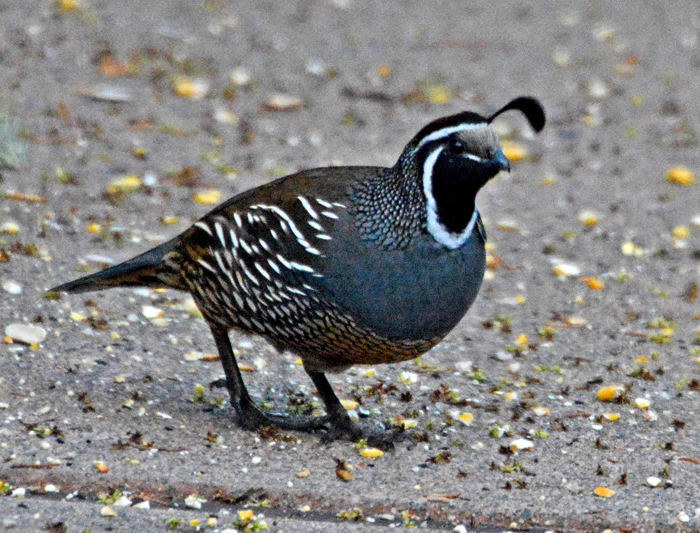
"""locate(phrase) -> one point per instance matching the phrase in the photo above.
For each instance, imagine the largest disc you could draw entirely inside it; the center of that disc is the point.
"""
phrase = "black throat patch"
(454, 187)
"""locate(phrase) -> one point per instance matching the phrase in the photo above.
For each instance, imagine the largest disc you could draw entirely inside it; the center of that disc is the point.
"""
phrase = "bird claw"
(250, 417)
(385, 440)
(218, 384)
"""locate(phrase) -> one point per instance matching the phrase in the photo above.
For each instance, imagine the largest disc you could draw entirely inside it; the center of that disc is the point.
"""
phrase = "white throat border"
(439, 232)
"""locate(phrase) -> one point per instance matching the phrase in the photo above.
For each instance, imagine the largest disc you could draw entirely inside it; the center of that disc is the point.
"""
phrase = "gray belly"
(419, 293)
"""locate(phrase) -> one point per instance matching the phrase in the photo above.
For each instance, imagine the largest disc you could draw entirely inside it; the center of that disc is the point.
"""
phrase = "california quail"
(343, 265)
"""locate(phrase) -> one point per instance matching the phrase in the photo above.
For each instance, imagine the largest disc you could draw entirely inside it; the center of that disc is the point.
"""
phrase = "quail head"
(342, 265)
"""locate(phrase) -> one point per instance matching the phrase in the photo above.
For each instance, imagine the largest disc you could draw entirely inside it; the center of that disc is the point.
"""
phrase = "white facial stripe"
(439, 232)
(444, 132)
(474, 158)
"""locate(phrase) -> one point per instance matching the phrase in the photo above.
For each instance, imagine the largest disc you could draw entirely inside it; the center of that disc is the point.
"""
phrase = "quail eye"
(458, 146)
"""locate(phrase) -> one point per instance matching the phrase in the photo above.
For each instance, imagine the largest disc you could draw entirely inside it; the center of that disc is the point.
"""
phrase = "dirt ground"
(128, 119)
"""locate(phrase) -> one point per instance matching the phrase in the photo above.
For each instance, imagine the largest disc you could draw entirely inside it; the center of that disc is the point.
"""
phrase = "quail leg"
(342, 428)
(248, 415)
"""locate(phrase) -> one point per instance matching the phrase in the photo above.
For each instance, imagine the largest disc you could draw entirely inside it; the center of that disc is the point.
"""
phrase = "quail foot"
(342, 265)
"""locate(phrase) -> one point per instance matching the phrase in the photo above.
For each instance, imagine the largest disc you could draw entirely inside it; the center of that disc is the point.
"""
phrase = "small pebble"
(12, 287)
(653, 481)
(26, 333)
(108, 511)
(521, 444)
(194, 502)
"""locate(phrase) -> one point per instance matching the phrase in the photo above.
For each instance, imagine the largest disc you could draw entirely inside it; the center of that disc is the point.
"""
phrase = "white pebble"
(194, 502)
(26, 333)
(464, 366)
(12, 287)
(653, 481)
(521, 444)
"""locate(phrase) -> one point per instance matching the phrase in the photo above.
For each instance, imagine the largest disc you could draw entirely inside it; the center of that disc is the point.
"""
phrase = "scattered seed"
(151, 312)
(127, 183)
(245, 515)
(94, 227)
(610, 393)
(371, 453)
(521, 444)
(195, 502)
(588, 218)
(513, 151)
(239, 76)
(101, 467)
(630, 249)
(408, 423)
(680, 176)
(190, 88)
(561, 57)
(122, 501)
(680, 232)
(77, 317)
(107, 94)
(349, 405)
(224, 116)
(642, 403)
(508, 225)
(343, 475)
(466, 418)
(108, 511)
(9, 228)
(23, 197)
(283, 102)
(210, 197)
(565, 270)
(603, 492)
(594, 283)
(408, 378)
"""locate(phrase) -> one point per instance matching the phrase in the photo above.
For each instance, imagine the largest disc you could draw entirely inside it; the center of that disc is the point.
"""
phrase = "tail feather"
(145, 270)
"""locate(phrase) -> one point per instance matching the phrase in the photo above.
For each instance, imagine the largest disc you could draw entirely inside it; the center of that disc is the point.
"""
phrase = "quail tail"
(146, 270)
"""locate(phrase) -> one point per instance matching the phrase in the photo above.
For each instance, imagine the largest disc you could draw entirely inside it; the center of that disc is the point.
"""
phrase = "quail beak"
(501, 160)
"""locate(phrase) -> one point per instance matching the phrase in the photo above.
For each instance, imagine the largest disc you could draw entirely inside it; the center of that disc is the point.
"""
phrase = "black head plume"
(528, 106)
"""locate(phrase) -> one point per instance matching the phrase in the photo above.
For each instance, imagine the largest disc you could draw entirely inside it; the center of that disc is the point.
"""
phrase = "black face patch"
(455, 180)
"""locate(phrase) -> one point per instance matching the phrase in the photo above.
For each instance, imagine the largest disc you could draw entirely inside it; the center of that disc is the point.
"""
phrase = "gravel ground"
(135, 115)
